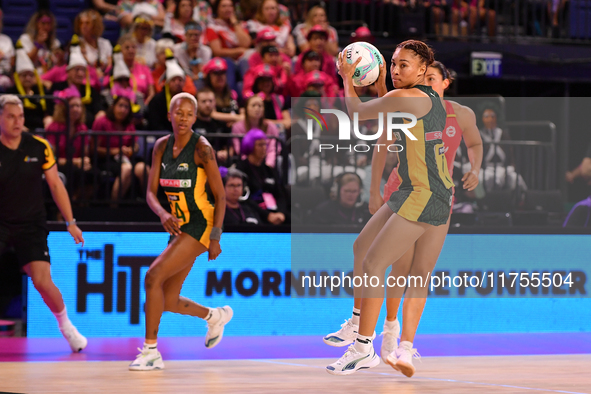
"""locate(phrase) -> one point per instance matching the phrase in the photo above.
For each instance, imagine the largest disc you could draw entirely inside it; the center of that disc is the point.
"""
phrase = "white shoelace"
(415, 354)
(143, 352)
(350, 350)
(347, 322)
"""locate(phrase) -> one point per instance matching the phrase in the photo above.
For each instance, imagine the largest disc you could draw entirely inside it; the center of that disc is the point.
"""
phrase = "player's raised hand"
(170, 223)
(470, 180)
(346, 70)
(76, 233)
(383, 70)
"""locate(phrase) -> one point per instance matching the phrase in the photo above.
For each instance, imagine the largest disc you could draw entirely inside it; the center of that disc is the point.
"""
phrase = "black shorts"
(29, 241)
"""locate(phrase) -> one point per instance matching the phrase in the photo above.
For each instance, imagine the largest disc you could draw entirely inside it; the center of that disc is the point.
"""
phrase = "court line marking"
(434, 379)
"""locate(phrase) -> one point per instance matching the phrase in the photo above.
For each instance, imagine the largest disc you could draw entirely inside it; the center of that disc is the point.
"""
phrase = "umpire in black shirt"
(24, 159)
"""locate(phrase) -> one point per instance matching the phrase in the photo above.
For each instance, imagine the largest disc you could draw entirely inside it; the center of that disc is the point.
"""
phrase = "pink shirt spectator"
(300, 33)
(298, 85)
(328, 65)
(280, 79)
(104, 124)
(142, 75)
(60, 74)
(239, 128)
(255, 59)
(283, 32)
(60, 148)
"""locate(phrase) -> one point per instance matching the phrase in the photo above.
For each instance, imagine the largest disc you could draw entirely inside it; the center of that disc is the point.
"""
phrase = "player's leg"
(30, 244)
(180, 254)
(348, 332)
(40, 274)
(391, 332)
(216, 318)
(173, 302)
(427, 252)
(391, 243)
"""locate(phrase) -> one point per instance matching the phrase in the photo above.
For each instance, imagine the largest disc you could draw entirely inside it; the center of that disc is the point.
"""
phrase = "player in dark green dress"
(416, 212)
(183, 163)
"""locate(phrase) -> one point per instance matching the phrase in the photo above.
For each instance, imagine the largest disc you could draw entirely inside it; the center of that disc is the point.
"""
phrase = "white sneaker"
(215, 331)
(352, 361)
(389, 340)
(401, 359)
(147, 360)
(345, 336)
(76, 340)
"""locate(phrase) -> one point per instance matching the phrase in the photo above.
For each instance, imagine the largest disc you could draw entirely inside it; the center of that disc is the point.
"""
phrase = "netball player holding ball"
(418, 212)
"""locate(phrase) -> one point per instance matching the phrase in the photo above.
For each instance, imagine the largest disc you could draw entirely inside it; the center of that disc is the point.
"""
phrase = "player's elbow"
(55, 184)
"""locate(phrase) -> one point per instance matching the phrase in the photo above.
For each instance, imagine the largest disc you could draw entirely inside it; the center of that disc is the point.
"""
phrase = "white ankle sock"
(355, 316)
(214, 315)
(406, 345)
(62, 318)
(390, 325)
(363, 344)
(150, 346)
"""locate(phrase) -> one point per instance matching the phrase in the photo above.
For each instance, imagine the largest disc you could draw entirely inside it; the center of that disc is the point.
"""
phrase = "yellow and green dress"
(184, 183)
(425, 192)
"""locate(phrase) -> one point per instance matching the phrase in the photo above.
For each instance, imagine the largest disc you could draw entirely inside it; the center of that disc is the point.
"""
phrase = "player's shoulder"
(202, 142)
(405, 93)
(34, 141)
(461, 110)
(161, 142)
(204, 151)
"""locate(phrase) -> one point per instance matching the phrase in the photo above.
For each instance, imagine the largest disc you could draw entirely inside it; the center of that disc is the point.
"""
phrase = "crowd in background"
(243, 61)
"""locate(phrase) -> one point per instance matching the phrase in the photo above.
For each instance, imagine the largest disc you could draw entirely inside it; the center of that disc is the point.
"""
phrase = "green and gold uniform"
(184, 183)
(425, 192)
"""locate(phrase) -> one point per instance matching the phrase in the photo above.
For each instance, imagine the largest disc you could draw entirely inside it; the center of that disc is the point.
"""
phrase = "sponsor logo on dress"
(450, 131)
(183, 167)
(31, 159)
(398, 136)
(442, 150)
(434, 135)
(180, 183)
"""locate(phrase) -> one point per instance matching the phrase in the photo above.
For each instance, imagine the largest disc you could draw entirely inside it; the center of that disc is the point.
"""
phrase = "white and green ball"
(368, 69)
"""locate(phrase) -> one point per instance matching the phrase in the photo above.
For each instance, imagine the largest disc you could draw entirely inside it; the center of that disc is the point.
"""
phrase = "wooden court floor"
(498, 374)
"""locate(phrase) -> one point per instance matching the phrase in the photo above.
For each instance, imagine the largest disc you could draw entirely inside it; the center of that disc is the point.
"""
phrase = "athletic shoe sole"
(337, 344)
(391, 361)
(344, 342)
(407, 369)
(229, 312)
(148, 367)
(145, 369)
(373, 363)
